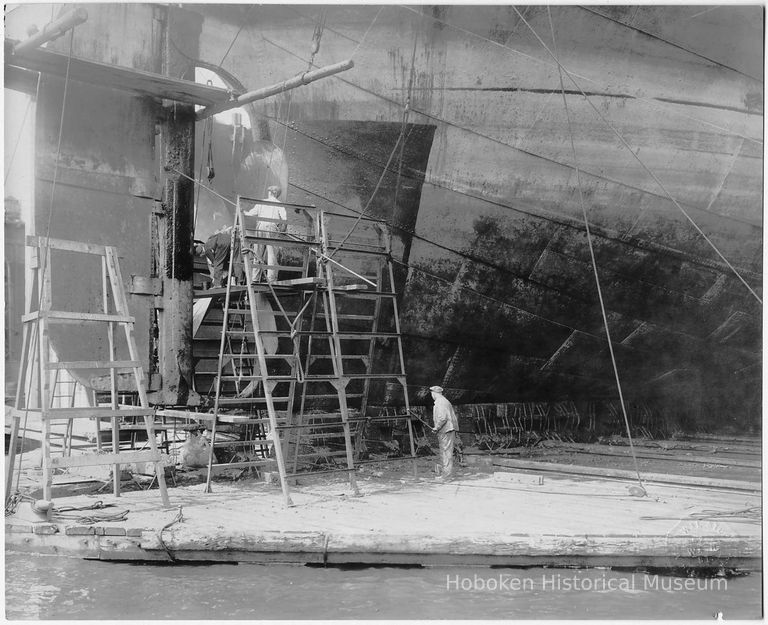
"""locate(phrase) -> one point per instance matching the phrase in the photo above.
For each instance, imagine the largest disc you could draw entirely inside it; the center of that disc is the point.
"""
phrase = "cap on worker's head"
(274, 190)
(436, 389)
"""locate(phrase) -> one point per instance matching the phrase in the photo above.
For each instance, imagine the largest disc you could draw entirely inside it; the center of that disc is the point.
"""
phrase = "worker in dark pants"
(217, 252)
(445, 425)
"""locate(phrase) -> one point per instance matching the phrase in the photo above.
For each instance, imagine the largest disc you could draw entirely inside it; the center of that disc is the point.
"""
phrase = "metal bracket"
(142, 285)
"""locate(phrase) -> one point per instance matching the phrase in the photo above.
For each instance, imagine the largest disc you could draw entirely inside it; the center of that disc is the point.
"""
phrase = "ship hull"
(656, 126)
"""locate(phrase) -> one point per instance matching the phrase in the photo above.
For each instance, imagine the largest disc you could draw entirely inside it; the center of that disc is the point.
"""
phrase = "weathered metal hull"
(499, 300)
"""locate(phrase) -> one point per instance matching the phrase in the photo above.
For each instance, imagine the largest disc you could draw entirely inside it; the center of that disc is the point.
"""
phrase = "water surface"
(51, 587)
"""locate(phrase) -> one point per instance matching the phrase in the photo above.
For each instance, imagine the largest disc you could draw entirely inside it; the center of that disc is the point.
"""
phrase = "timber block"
(518, 478)
(19, 529)
(114, 531)
(46, 529)
(79, 530)
(134, 532)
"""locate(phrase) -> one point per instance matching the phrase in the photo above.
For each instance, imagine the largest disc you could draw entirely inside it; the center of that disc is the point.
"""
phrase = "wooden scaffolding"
(306, 339)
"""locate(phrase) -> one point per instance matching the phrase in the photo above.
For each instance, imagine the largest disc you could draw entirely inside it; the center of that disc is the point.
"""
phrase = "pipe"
(52, 30)
(265, 92)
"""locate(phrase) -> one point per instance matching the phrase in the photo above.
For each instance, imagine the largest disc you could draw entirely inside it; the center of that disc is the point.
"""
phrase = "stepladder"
(359, 311)
(101, 337)
(257, 365)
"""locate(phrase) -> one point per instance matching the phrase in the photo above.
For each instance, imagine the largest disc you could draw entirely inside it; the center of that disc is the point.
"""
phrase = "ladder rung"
(343, 335)
(74, 413)
(65, 315)
(331, 395)
(311, 473)
(247, 311)
(398, 417)
(344, 357)
(262, 442)
(357, 376)
(94, 364)
(329, 454)
(243, 465)
(283, 242)
(362, 293)
(271, 378)
(299, 281)
(247, 356)
(303, 426)
(324, 415)
(232, 401)
(70, 246)
(322, 313)
(375, 251)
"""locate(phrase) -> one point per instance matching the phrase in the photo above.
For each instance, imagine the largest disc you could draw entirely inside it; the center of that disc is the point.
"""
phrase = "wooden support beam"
(68, 246)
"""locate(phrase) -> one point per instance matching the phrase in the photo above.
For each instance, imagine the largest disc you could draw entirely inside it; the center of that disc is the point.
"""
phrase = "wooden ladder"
(256, 315)
(365, 351)
(37, 351)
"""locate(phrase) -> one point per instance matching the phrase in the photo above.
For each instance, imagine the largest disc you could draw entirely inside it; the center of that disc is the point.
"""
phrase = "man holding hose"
(445, 425)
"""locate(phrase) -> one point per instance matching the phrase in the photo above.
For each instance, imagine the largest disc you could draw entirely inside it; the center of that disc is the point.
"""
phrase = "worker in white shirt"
(274, 223)
(446, 425)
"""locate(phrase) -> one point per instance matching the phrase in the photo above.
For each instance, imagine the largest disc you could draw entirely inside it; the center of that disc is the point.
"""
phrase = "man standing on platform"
(445, 425)
(273, 223)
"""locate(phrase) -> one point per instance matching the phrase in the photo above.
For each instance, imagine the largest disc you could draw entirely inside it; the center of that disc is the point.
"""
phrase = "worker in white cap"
(445, 425)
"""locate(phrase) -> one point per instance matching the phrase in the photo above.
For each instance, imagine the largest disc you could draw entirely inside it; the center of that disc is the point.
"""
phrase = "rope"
(360, 43)
(592, 254)
(642, 164)
(179, 518)
(237, 34)
(13, 502)
(317, 35)
(60, 514)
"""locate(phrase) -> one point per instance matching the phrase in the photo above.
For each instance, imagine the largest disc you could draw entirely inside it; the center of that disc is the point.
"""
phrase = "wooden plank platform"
(478, 519)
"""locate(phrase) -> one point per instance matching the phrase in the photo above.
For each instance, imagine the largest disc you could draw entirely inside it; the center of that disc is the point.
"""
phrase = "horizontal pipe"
(52, 30)
(265, 92)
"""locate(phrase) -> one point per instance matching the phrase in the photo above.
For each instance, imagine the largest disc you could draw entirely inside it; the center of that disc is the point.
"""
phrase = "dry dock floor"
(480, 518)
